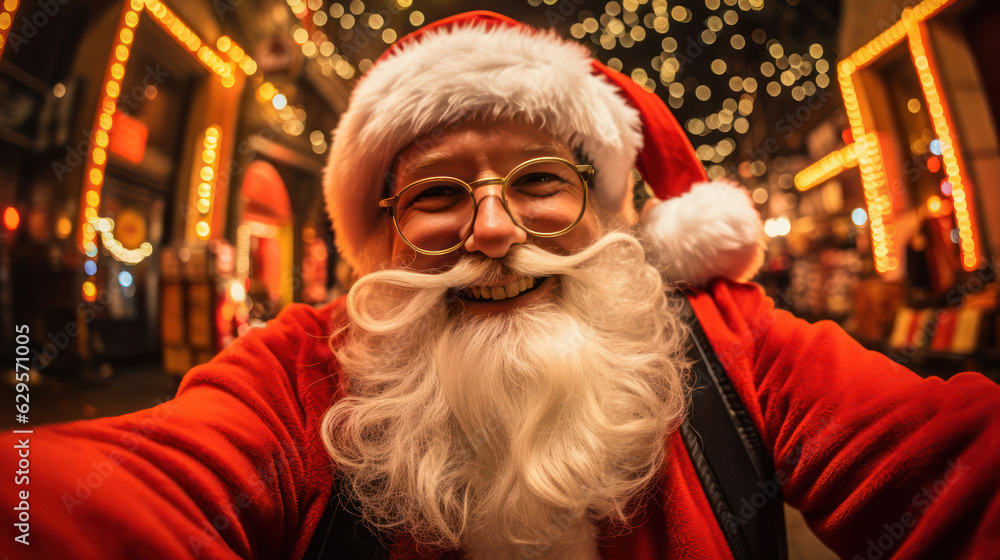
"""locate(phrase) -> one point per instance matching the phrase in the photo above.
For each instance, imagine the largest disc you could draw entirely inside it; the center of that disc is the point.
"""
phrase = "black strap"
(735, 469)
(342, 534)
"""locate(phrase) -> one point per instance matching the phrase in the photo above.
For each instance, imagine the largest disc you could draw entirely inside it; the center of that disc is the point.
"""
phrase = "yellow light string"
(94, 172)
(873, 179)
(880, 214)
(207, 178)
(897, 31)
(97, 157)
(827, 168)
(106, 227)
(8, 9)
(961, 192)
(236, 53)
(187, 38)
(868, 150)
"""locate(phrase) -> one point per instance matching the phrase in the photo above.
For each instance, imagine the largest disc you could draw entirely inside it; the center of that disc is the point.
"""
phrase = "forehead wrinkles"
(506, 159)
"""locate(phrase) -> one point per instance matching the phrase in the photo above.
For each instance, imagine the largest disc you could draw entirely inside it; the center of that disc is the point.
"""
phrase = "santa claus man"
(508, 377)
(514, 370)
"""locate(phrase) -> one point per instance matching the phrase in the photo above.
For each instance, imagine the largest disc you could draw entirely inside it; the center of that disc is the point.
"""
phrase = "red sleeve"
(232, 467)
(882, 463)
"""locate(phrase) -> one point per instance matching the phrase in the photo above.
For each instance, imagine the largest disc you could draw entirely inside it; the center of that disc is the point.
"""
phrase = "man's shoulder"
(309, 334)
(291, 354)
(728, 303)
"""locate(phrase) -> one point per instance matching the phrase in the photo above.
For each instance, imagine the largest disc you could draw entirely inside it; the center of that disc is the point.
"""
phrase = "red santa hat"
(485, 64)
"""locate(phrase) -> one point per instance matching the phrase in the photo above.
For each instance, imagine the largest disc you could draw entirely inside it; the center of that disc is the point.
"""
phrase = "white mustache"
(418, 293)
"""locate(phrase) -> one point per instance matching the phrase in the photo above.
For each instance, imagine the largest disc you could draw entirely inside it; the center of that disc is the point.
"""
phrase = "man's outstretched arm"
(229, 468)
(882, 463)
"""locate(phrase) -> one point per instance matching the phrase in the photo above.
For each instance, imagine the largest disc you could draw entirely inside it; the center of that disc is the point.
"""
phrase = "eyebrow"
(553, 148)
(429, 160)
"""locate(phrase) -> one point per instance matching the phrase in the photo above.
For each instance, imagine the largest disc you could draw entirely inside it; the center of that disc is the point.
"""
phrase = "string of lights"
(104, 121)
(880, 211)
(236, 54)
(106, 228)
(172, 24)
(349, 18)
(7, 12)
(97, 158)
(940, 118)
(828, 167)
(628, 23)
(910, 27)
(208, 172)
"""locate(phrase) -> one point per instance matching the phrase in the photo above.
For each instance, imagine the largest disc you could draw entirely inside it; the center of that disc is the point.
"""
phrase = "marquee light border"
(8, 9)
(94, 174)
(867, 149)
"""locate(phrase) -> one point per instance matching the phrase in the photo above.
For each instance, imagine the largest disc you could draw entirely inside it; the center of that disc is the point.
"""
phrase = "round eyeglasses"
(545, 196)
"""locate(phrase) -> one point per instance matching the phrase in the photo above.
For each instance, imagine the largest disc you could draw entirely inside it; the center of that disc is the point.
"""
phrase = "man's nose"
(494, 232)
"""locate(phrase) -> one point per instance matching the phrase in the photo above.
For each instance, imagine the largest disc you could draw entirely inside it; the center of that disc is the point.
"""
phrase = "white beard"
(509, 434)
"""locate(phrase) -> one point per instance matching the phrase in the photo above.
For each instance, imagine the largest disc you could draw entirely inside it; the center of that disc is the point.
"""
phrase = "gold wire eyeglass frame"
(584, 172)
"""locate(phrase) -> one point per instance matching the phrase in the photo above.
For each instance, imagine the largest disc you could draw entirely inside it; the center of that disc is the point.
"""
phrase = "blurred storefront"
(890, 228)
(160, 161)
(163, 161)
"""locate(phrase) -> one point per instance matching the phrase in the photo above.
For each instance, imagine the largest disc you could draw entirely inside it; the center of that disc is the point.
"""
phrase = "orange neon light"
(207, 176)
(827, 168)
(127, 139)
(868, 149)
(11, 218)
(105, 118)
(961, 191)
(103, 122)
(8, 9)
(237, 55)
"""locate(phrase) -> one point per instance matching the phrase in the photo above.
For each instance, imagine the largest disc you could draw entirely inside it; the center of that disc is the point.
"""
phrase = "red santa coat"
(882, 463)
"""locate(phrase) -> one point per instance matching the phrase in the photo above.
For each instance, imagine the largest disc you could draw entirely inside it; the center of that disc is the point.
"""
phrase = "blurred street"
(66, 399)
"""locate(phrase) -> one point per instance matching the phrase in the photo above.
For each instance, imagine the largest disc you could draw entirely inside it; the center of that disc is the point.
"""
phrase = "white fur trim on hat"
(711, 231)
(501, 72)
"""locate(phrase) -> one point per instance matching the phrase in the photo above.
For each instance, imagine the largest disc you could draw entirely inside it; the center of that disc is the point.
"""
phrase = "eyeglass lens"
(543, 197)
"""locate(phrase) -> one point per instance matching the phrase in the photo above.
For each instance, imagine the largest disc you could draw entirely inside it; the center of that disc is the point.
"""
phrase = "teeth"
(510, 290)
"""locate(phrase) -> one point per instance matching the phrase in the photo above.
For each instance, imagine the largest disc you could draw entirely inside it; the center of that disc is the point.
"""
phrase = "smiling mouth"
(516, 288)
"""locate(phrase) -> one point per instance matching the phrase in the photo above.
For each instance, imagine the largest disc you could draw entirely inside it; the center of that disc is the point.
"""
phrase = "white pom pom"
(709, 232)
